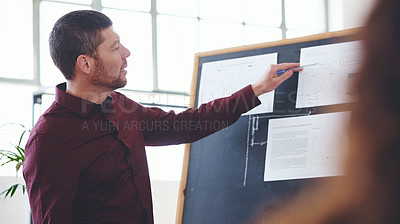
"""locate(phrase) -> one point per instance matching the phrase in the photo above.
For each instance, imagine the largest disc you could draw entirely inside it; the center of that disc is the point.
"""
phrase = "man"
(85, 158)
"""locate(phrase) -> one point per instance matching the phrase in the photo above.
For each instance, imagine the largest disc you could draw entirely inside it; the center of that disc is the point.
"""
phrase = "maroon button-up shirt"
(86, 163)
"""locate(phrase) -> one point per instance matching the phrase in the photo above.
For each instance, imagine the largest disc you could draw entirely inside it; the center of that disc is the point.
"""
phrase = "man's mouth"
(123, 67)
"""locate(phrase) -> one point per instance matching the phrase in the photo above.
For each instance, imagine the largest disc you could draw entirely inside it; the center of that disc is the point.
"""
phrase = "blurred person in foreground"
(369, 193)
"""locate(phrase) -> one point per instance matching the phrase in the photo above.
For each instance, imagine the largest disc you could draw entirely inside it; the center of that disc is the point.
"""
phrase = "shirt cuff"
(245, 99)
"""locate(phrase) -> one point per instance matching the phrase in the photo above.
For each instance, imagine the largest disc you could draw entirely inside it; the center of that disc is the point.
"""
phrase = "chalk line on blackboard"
(247, 153)
(252, 128)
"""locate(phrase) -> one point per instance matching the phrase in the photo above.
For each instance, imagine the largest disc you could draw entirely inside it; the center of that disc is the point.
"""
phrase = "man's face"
(110, 68)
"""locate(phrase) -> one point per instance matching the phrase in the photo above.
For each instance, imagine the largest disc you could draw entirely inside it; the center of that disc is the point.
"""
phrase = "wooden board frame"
(193, 90)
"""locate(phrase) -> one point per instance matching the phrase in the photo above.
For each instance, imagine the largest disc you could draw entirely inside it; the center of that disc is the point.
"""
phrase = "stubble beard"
(103, 79)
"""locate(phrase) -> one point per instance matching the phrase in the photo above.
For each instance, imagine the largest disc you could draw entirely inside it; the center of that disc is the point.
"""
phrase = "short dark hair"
(74, 34)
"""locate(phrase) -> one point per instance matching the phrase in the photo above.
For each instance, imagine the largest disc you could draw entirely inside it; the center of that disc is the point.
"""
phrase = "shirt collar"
(80, 106)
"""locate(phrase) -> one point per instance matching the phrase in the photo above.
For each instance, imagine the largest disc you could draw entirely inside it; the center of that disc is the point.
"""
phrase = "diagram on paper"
(328, 82)
(223, 78)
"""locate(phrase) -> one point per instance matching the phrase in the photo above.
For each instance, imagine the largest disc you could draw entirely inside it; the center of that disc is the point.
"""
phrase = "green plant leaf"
(21, 152)
(13, 156)
(11, 190)
(8, 191)
(13, 124)
(3, 192)
(20, 138)
(17, 148)
(5, 163)
(18, 157)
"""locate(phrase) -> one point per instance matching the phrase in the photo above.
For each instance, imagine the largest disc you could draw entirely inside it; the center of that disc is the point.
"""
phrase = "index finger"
(285, 66)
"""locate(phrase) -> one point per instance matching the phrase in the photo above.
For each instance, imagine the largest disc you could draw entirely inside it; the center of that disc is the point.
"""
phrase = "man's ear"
(85, 63)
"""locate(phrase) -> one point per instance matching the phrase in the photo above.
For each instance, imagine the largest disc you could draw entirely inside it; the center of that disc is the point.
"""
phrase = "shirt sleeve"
(51, 179)
(164, 128)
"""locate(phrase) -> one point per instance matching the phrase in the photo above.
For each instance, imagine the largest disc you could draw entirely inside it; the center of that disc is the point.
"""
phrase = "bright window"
(178, 7)
(261, 12)
(307, 16)
(216, 35)
(16, 56)
(134, 29)
(225, 10)
(162, 35)
(177, 42)
(136, 5)
(50, 12)
(258, 34)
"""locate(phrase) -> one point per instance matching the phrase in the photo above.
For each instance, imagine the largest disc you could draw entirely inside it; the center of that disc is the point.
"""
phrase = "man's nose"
(125, 52)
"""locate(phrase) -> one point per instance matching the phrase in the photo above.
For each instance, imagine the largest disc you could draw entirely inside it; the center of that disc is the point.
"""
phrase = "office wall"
(16, 209)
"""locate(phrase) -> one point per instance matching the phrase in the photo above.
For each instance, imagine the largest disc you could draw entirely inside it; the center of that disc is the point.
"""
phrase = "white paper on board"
(328, 82)
(306, 146)
(223, 78)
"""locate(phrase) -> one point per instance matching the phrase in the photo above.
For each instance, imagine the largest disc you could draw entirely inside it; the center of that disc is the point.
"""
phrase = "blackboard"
(222, 177)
